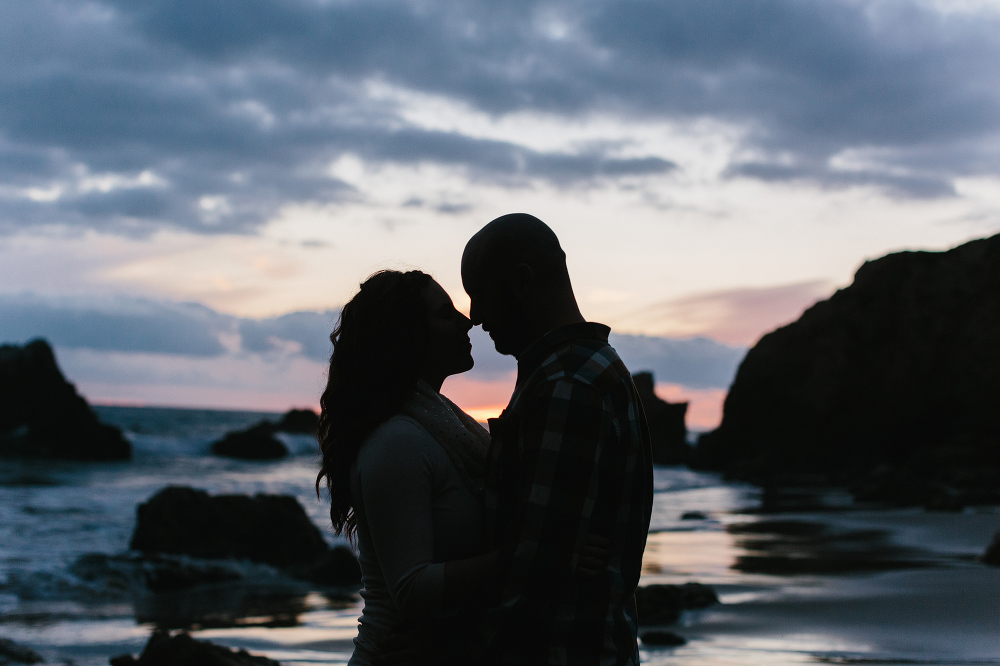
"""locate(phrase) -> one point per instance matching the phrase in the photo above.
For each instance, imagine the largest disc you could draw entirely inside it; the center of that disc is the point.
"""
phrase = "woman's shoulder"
(399, 436)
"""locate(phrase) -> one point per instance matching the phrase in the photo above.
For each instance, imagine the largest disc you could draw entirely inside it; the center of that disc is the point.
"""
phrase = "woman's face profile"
(449, 350)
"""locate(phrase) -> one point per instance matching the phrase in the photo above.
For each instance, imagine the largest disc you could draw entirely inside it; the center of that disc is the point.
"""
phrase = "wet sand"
(801, 582)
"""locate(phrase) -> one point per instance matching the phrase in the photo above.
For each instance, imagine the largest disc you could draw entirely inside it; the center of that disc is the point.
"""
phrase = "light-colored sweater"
(414, 513)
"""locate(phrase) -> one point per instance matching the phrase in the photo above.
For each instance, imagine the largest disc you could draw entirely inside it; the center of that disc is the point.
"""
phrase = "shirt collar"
(539, 350)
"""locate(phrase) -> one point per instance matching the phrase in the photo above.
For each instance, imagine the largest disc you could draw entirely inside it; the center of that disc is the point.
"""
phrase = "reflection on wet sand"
(811, 547)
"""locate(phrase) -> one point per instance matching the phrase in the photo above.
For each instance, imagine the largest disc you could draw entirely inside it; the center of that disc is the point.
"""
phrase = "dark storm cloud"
(239, 107)
(122, 325)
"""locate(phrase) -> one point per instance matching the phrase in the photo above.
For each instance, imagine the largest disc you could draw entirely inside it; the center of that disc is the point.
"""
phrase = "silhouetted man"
(570, 456)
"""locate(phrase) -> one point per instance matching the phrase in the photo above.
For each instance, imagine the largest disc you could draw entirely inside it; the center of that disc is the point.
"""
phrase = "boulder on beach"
(271, 529)
(667, 430)
(663, 604)
(991, 555)
(900, 371)
(41, 414)
(298, 421)
(166, 650)
(14, 653)
(660, 638)
(255, 443)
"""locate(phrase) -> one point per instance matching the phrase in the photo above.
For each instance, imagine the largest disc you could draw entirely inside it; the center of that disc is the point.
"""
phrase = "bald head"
(515, 239)
(514, 270)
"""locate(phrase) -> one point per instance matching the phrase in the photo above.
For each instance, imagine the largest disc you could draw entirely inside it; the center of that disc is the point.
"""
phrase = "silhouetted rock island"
(300, 421)
(41, 414)
(255, 443)
(891, 386)
(271, 529)
(667, 431)
(258, 441)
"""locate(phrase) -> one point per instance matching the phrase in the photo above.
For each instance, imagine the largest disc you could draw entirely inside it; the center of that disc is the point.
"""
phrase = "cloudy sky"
(190, 188)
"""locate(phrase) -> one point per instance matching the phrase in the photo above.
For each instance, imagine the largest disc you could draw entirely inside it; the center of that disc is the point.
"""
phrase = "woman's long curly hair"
(377, 346)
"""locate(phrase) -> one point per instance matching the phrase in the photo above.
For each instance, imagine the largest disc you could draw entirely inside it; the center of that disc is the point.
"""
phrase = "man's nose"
(474, 317)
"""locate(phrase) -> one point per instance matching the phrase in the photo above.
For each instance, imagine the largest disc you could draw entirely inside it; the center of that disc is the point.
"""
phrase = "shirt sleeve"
(562, 431)
(397, 483)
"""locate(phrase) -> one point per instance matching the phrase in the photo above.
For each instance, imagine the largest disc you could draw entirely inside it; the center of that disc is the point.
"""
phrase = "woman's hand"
(594, 557)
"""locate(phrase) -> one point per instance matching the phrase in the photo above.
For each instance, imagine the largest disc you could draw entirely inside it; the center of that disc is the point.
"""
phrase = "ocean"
(803, 577)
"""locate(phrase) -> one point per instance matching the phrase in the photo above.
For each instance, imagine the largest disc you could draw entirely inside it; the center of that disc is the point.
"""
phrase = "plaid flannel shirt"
(570, 457)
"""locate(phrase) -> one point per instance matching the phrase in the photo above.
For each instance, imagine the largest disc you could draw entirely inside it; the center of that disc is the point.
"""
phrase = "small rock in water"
(255, 443)
(693, 515)
(992, 553)
(663, 604)
(12, 653)
(301, 421)
(166, 650)
(662, 638)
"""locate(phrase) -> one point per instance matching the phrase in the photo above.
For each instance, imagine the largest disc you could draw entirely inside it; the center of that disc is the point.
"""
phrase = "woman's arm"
(475, 578)
(470, 580)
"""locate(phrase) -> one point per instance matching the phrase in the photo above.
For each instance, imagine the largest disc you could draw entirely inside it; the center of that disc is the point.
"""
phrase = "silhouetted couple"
(521, 545)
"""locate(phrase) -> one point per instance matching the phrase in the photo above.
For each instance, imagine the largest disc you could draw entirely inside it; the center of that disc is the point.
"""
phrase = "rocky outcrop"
(166, 650)
(992, 553)
(663, 604)
(41, 414)
(255, 443)
(299, 421)
(900, 371)
(271, 529)
(667, 430)
(258, 441)
(13, 653)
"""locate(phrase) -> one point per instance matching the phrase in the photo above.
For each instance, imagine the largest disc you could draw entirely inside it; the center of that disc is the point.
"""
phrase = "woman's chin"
(466, 365)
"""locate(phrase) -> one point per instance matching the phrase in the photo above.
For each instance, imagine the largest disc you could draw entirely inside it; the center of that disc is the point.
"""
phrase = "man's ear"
(524, 279)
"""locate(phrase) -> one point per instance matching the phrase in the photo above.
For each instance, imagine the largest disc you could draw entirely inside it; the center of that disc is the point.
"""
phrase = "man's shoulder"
(588, 370)
(588, 362)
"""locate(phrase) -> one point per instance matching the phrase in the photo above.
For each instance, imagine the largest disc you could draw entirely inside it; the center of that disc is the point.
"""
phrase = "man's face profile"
(493, 305)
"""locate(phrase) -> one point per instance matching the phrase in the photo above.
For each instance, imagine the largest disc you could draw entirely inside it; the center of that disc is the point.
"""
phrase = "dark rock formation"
(694, 515)
(166, 650)
(271, 529)
(900, 369)
(255, 443)
(41, 414)
(667, 431)
(300, 421)
(258, 441)
(155, 571)
(660, 638)
(992, 553)
(663, 604)
(12, 653)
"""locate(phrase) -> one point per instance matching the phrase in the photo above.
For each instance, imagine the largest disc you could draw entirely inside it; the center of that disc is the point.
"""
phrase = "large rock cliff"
(41, 414)
(895, 377)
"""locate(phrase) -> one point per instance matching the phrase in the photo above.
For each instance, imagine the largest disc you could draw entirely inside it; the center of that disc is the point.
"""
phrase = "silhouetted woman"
(405, 466)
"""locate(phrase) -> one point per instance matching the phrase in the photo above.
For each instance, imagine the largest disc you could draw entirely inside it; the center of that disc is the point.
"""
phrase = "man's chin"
(503, 345)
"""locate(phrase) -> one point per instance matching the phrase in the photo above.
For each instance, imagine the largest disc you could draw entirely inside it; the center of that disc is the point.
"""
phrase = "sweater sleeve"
(396, 479)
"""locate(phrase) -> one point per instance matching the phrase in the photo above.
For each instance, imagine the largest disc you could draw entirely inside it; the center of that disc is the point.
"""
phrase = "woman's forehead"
(436, 295)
